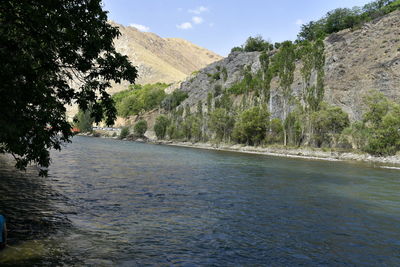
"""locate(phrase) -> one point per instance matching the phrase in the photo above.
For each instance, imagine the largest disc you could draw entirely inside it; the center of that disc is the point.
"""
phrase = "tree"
(293, 127)
(54, 53)
(140, 128)
(377, 106)
(312, 31)
(139, 98)
(221, 122)
(382, 122)
(339, 19)
(160, 127)
(173, 100)
(328, 122)
(252, 125)
(275, 133)
(285, 65)
(257, 43)
(83, 121)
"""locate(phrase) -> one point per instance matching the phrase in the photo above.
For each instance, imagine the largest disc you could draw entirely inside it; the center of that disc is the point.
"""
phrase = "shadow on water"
(34, 223)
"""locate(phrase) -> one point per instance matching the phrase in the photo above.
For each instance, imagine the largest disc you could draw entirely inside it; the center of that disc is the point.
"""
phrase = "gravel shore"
(392, 162)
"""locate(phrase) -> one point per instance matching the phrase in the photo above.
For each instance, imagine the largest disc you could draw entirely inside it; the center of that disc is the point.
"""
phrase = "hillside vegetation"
(288, 93)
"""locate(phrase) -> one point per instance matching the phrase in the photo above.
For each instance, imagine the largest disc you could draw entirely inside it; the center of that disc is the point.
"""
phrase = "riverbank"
(390, 162)
(303, 153)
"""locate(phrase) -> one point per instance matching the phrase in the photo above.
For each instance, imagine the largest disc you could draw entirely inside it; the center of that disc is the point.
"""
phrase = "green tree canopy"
(83, 121)
(221, 122)
(54, 53)
(252, 125)
(257, 43)
(382, 123)
(343, 18)
(139, 98)
(328, 121)
(140, 128)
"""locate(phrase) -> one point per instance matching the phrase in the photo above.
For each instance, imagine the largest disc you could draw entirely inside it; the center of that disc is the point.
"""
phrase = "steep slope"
(363, 60)
(167, 60)
(159, 59)
(356, 62)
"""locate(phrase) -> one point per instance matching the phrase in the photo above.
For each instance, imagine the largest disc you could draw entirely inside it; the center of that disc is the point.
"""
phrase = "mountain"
(167, 60)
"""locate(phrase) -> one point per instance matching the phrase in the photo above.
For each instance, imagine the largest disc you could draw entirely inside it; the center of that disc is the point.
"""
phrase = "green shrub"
(160, 127)
(256, 43)
(382, 123)
(140, 128)
(173, 100)
(275, 134)
(385, 140)
(344, 18)
(250, 82)
(356, 135)
(139, 98)
(174, 132)
(328, 122)
(221, 123)
(84, 121)
(294, 125)
(252, 126)
(224, 73)
(124, 132)
(237, 49)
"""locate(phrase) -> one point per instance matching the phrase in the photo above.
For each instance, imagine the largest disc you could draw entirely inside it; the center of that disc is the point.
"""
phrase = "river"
(110, 202)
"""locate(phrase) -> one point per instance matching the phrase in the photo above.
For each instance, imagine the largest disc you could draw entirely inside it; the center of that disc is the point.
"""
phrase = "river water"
(110, 202)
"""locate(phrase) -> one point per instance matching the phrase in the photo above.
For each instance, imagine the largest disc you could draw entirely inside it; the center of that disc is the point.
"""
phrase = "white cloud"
(197, 20)
(299, 22)
(140, 27)
(184, 26)
(198, 10)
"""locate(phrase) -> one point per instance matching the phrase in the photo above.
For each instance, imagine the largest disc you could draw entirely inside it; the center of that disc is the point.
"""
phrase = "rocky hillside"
(356, 62)
(159, 59)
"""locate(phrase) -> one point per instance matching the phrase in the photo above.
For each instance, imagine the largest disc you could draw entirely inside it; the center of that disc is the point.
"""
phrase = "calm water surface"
(109, 202)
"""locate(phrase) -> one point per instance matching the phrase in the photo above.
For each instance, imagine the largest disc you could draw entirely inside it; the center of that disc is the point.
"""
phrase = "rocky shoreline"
(392, 162)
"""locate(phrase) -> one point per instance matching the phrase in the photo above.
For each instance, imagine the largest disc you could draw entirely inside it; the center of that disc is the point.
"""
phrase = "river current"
(110, 202)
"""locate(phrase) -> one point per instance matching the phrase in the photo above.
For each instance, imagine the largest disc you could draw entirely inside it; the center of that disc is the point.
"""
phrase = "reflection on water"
(110, 202)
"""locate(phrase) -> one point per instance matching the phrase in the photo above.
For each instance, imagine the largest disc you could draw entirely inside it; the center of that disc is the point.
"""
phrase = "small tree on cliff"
(54, 53)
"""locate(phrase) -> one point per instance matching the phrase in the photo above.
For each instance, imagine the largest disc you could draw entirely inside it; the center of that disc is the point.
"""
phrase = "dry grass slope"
(159, 59)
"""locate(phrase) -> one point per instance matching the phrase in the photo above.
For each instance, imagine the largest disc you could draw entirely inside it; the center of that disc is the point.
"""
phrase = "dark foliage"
(53, 53)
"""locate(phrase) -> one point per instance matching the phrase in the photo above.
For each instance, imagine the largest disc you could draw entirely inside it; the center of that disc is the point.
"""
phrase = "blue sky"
(219, 25)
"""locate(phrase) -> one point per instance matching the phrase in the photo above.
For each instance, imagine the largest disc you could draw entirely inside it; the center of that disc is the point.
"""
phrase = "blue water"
(109, 202)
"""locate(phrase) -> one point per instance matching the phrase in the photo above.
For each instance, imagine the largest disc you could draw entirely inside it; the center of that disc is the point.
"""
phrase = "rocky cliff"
(356, 62)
